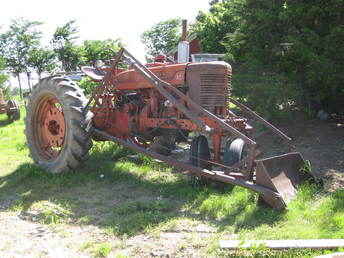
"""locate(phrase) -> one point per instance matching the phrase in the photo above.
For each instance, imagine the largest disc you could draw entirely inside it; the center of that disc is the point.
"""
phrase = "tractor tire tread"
(78, 141)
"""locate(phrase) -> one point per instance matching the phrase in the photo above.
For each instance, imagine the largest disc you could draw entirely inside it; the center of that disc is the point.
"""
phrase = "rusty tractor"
(9, 107)
(176, 112)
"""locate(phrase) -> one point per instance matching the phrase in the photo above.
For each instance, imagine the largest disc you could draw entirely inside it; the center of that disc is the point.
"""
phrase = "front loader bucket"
(280, 174)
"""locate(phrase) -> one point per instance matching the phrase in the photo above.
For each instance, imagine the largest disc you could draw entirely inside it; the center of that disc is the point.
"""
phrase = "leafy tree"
(16, 43)
(283, 51)
(3, 76)
(212, 28)
(68, 53)
(316, 56)
(256, 52)
(94, 50)
(212, 2)
(42, 60)
(301, 40)
(162, 37)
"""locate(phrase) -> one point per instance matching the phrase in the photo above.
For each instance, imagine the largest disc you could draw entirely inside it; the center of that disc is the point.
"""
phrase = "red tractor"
(159, 109)
(9, 107)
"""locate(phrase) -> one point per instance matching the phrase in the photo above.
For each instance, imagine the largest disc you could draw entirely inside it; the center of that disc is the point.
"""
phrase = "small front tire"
(200, 157)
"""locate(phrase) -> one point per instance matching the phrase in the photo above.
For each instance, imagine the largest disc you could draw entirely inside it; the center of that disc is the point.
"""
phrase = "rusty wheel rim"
(49, 127)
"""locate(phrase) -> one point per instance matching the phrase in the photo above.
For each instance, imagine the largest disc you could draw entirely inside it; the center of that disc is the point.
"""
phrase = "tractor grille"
(209, 85)
(214, 91)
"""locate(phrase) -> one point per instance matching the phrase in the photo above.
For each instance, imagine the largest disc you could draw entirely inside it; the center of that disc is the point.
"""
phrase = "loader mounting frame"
(276, 184)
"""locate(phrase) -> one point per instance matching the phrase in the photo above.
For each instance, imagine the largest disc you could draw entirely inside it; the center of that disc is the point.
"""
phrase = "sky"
(103, 19)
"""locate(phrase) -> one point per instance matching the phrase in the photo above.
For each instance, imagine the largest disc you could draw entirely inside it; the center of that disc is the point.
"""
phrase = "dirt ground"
(20, 236)
(322, 143)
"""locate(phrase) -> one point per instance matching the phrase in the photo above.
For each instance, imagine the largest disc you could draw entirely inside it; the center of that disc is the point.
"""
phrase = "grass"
(126, 198)
(98, 249)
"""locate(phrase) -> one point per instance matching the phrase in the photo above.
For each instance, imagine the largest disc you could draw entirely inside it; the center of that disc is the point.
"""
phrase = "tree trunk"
(20, 88)
(64, 66)
(28, 75)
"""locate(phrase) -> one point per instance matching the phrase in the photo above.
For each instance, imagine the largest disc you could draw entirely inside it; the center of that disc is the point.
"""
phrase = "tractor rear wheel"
(55, 125)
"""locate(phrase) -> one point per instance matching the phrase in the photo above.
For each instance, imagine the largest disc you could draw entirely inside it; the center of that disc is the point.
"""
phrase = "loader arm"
(276, 186)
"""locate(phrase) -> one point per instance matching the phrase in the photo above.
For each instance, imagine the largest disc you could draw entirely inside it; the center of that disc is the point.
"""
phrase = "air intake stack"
(183, 46)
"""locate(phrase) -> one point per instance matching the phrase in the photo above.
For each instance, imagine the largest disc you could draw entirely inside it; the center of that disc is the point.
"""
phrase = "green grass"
(98, 249)
(126, 198)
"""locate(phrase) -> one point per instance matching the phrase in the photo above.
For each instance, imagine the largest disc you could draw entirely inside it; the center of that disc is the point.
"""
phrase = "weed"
(51, 213)
(307, 167)
(97, 249)
(120, 255)
(102, 250)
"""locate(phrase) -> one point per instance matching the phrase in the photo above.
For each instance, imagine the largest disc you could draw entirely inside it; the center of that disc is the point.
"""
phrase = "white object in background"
(284, 244)
(183, 52)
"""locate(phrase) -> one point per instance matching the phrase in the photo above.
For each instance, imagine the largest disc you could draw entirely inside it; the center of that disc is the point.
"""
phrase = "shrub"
(269, 94)
(87, 85)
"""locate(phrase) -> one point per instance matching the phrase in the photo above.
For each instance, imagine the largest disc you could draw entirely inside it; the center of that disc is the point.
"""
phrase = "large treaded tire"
(13, 114)
(77, 141)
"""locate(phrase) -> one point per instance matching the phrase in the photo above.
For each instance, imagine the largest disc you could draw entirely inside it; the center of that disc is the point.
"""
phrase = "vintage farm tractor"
(9, 107)
(176, 112)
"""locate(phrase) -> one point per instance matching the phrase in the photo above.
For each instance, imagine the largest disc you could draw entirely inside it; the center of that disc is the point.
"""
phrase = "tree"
(162, 37)
(301, 40)
(42, 60)
(316, 56)
(212, 28)
(94, 50)
(290, 51)
(68, 53)
(3, 76)
(22, 37)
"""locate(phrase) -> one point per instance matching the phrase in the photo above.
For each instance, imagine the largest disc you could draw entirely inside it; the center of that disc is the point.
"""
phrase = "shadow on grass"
(121, 197)
(5, 122)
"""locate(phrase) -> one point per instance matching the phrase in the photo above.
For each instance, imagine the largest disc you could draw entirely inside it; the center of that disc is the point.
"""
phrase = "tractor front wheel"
(55, 125)
(200, 157)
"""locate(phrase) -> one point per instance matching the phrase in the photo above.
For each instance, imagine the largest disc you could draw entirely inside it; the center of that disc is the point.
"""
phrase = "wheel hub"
(50, 127)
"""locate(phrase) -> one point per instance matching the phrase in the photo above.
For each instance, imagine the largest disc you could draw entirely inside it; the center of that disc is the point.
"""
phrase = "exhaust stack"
(183, 46)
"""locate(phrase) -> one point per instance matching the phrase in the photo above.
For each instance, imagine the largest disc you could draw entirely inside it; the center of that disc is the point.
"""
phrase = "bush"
(299, 44)
(267, 93)
(87, 85)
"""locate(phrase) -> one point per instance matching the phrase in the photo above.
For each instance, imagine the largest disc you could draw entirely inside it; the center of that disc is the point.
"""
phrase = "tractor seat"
(94, 73)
